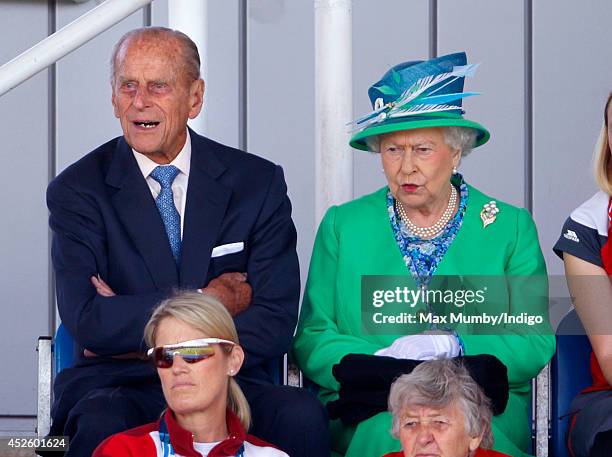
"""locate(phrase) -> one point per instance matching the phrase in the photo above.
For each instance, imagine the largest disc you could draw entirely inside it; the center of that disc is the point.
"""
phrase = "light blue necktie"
(165, 175)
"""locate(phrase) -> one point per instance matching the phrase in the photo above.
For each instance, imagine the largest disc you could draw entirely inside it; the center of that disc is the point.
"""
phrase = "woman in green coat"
(428, 223)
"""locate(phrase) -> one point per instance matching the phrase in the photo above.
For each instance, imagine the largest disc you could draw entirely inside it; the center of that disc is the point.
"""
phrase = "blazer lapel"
(207, 201)
(136, 209)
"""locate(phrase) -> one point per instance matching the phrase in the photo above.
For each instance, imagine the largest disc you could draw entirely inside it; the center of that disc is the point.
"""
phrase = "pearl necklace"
(434, 230)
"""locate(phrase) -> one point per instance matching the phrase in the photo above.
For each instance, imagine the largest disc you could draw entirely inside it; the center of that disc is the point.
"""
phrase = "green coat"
(356, 239)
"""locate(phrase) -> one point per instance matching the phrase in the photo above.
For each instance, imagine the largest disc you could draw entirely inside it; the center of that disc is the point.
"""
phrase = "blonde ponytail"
(237, 402)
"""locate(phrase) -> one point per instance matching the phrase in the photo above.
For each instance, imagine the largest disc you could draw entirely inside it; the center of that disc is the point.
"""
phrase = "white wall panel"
(491, 33)
(572, 76)
(220, 60)
(24, 282)
(280, 101)
(159, 13)
(381, 40)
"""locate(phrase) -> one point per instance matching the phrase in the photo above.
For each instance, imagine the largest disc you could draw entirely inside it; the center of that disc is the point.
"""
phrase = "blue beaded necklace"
(422, 257)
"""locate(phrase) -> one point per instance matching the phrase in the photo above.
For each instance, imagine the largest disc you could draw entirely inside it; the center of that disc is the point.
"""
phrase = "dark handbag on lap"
(365, 381)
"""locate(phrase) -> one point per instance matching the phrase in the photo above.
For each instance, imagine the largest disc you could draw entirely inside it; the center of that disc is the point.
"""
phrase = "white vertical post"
(43, 412)
(333, 103)
(542, 412)
(191, 18)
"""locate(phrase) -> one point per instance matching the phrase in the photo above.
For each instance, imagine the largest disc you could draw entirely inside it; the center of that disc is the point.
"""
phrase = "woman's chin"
(185, 407)
(412, 201)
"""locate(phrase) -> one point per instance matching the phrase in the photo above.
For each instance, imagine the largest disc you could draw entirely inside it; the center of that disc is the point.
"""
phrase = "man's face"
(153, 97)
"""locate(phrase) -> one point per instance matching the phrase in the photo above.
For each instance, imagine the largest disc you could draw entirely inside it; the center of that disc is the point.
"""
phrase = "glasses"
(191, 351)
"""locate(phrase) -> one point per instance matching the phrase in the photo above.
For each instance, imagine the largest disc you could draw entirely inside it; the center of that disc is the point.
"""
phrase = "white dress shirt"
(179, 186)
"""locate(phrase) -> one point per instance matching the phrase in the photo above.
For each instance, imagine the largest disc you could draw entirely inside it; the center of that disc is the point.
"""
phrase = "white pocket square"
(226, 249)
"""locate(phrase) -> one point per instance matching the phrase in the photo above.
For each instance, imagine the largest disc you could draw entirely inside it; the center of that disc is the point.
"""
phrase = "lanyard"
(164, 438)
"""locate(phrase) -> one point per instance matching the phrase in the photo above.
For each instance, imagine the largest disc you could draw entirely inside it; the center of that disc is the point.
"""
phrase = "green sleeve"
(527, 350)
(319, 344)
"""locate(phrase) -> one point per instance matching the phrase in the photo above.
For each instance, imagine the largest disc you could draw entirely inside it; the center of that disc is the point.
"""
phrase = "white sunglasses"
(191, 351)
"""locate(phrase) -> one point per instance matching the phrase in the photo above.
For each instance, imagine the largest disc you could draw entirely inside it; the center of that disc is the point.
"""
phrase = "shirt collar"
(182, 440)
(182, 161)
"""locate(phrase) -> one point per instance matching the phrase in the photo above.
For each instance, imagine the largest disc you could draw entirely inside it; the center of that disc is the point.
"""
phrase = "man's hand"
(101, 287)
(232, 290)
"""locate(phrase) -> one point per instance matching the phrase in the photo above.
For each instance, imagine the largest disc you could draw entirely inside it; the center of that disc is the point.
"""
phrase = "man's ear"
(196, 98)
(114, 102)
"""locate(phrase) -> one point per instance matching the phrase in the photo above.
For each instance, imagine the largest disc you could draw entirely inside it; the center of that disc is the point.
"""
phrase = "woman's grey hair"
(461, 138)
(189, 50)
(437, 384)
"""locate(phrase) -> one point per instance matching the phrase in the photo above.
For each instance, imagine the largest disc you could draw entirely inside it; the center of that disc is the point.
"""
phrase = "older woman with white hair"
(428, 227)
(438, 409)
(195, 347)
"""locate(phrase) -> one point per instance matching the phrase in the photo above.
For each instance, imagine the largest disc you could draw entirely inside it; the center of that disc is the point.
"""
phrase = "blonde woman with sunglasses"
(195, 348)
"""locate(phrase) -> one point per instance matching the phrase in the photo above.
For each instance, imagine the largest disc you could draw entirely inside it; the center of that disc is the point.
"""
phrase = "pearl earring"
(454, 170)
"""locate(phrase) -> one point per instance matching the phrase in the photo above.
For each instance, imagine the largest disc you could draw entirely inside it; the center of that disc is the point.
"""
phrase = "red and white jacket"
(147, 441)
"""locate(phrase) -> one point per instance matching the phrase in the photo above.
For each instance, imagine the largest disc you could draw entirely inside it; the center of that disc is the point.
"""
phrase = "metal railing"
(65, 40)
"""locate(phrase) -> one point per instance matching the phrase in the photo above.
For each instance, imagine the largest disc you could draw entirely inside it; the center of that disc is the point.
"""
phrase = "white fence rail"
(65, 40)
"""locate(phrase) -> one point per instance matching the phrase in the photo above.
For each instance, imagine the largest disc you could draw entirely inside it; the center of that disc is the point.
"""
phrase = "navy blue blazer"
(105, 222)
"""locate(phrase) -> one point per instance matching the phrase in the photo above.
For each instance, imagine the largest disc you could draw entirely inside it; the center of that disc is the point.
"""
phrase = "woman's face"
(435, 432)
(195, 387)
(418, 165)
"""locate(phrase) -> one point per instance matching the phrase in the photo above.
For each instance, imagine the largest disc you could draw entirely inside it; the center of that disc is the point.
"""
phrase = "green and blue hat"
(419, 94)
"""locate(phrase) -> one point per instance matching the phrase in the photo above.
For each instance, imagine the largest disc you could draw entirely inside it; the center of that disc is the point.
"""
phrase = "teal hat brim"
(418, 122)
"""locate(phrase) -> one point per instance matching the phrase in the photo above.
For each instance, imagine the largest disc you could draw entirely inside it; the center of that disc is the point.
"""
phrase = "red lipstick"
(409, 188)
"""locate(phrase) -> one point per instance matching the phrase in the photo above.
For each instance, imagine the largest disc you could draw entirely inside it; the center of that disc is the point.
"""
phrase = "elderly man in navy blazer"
(159, 209)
